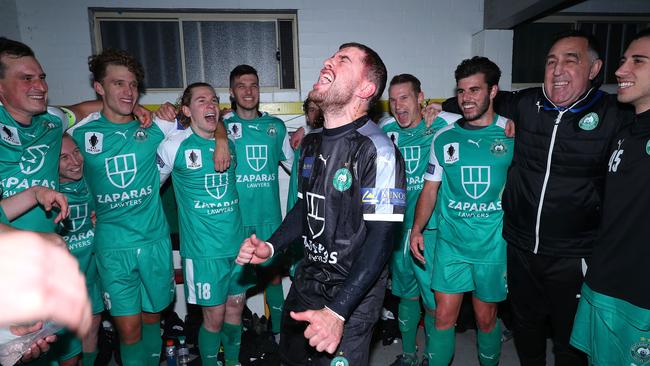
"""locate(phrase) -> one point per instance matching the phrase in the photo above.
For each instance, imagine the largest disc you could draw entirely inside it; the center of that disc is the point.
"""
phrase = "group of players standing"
(566, 171)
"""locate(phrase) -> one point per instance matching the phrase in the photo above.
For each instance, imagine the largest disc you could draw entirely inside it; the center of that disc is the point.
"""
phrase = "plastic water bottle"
(183, 357)
(170, 351)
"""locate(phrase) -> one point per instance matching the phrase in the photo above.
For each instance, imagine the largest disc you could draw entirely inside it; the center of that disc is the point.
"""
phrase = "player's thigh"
(490, 281)
(120, 281)
(157, 276)
(403, 279)
(423, 272)
(451, 275)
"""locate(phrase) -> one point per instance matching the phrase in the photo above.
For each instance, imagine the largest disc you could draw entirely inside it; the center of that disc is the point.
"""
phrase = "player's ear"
(186, 111)
(99, 88)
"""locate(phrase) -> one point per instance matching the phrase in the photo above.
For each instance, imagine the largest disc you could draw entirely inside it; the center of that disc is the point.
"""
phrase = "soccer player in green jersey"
(210, 224)
(465, 178)
(410, 278)
(79, 233)
(132, 240)
(262, 143)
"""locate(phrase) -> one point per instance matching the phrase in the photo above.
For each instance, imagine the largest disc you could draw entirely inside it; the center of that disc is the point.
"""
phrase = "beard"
(481, 108)
(333, 98)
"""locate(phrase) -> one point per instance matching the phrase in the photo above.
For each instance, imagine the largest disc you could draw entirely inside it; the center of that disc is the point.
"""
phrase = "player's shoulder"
(90, 121)
(375, 136)
(448, 117)
(174, 140)
(388, 123)
(446, 130)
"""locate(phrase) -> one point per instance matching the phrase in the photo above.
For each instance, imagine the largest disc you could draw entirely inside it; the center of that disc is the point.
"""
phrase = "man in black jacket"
(553, 193)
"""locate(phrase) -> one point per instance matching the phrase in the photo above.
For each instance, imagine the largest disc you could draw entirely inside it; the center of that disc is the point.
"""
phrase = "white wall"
(8, 19)
(427, 38)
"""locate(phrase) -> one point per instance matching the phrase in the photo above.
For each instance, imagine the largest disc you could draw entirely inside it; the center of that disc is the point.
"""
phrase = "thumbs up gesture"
(253, 251)
(325, 328)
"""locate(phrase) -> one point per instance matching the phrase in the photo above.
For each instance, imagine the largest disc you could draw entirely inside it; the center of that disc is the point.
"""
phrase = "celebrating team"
(452, 201)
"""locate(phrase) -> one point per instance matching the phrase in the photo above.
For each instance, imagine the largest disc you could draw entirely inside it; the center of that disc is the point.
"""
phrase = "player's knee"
(445, 318)
(130, 333)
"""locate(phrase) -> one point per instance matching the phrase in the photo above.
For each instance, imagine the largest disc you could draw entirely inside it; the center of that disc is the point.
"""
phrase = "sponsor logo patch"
(451, 153)
(193, 159)
(234, 130)
(307, 166)
(94, 142)
(476, 180)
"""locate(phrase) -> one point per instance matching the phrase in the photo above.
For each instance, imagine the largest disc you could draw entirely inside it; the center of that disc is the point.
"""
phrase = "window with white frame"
(179, 48)
(532, 41)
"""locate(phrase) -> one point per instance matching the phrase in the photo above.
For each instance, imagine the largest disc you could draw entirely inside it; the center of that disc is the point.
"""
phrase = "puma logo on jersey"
(121, 133)
(254, 127)
(323, 159)
(474, 142)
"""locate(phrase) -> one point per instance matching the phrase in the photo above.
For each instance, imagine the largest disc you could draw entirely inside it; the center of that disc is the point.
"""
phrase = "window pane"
(155, 44)
(213, 48)
(286, 54)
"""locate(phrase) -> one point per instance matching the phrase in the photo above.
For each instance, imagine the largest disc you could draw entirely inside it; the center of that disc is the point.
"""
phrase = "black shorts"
(357, 332)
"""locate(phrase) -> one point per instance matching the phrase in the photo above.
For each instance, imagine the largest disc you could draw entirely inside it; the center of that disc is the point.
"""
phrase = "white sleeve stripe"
(384, 217)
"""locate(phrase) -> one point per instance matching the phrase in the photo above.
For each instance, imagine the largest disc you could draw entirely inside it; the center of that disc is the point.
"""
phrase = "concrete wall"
(423, 37)
(9, 20)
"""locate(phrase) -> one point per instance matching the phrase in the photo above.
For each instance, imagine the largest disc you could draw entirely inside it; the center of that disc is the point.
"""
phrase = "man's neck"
(337, 117)
(115, 117)
(485, 120)
(21, 117)
(247, 114)
(204, 134)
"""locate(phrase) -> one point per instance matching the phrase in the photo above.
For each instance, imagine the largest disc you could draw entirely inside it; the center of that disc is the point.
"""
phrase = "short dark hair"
(407, 78)
(13, 49)
(320, 119)
(593, 46)
(97, 64)
(641, 34)
(476, 65)
(240, 70)
(186, 99)
(376, 70)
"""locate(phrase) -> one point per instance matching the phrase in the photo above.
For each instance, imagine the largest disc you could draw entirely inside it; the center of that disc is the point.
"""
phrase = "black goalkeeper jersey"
(349, 178)
(618, 264)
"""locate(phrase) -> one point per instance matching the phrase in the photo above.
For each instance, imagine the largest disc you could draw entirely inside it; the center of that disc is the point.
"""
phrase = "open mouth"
(560, 84)
(625, 84)
(210, 117)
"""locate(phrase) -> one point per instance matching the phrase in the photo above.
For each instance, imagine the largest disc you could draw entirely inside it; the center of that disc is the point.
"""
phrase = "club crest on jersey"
(216, 184)
(256, 156)
(193, 159)
(451, 152)
(315, 214)
(234, 130)
(271, 131)
(121, 170)
(588, 122)
(411, 156)
(498, 148)
(476, 180)
(33, 159)
(94, 142)
(77, 217)
(342, 180)
(140, 134)
(9, 135)
(394, 137)
(640, 351)
(647, 147)
(49, 125)
(339, 361)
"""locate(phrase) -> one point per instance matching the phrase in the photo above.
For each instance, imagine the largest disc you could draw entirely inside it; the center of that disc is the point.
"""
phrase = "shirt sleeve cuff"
(272, 248)
(335, 314)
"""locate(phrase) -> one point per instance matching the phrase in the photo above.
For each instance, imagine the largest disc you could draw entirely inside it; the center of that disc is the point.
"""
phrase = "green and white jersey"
(77, 229)
(29, 156)
(415, 144)
(472, 165)
(208, 204)
(261, 144)
(120, 169)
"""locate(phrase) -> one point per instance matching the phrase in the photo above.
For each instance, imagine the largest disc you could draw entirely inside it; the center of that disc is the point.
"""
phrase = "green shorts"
(451, 275)
(66, 346)
(603, 331)
(208, 282)
(94, 288)
(137, 279)
(410, 278)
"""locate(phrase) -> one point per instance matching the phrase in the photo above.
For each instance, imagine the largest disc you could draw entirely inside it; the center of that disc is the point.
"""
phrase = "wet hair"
(97, 64)
(320, 119)
(642, 33)
(376, 70)
(593, 47)
(186, 99)
(407, 78)
(476, 65)
(13, 49)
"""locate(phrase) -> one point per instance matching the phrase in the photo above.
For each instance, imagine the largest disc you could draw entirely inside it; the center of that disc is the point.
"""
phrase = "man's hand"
(49, 198)
(297, 137)
(253, 251)
(37, 348)
(166, 111)
(42, 282)
(416, 241)
(221, 157)
(324, 331)
(510, 128)
(430, 112)
(143, 115)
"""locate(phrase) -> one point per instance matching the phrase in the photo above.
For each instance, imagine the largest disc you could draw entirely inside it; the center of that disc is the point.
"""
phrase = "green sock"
(489, 346)
(275, 300)
(151, 343)
(131, 354)
(209, 346)
(429, 326)
(88, 358)
(408, 317)
(231, 339)
(443, 344)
